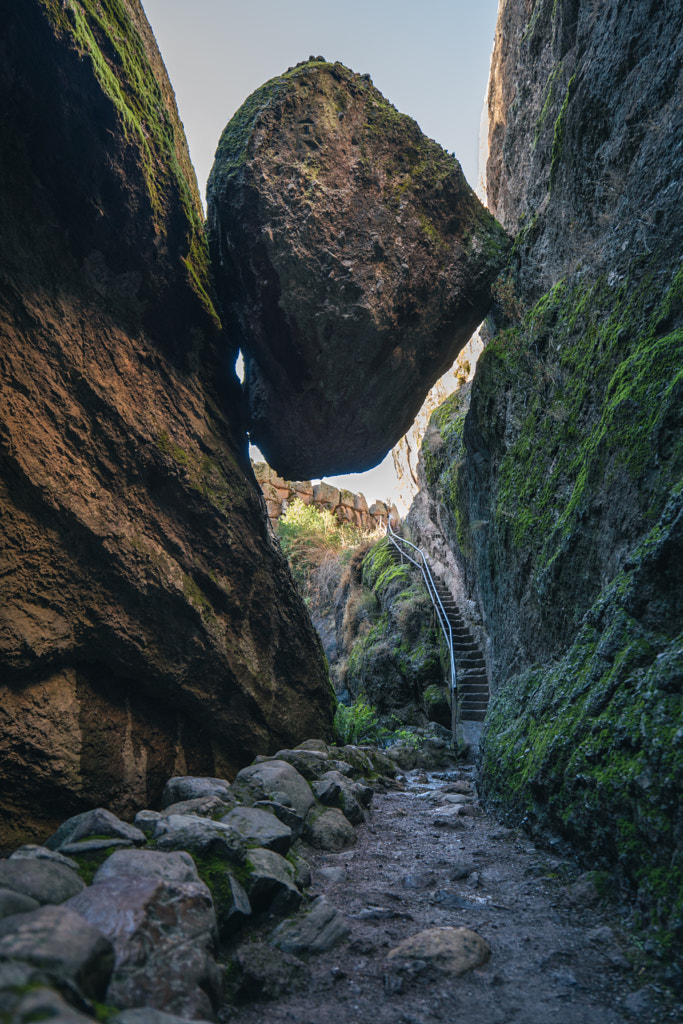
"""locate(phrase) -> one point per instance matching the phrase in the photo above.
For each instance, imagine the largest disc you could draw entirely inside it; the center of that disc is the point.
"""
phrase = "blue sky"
(430, 59)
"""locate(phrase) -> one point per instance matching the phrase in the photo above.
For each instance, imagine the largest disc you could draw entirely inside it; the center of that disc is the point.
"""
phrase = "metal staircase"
(469, 682)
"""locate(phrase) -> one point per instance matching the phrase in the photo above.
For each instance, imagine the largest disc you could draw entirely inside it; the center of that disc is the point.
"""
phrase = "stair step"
(473, 716)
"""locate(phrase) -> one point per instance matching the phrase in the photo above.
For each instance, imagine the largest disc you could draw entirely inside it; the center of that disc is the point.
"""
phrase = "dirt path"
(558, 954)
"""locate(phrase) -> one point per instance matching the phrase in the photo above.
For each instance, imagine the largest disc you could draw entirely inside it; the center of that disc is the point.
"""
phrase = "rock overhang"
(352, 261)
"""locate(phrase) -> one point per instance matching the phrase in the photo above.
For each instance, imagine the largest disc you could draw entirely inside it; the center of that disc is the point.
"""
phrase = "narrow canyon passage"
(560, 951)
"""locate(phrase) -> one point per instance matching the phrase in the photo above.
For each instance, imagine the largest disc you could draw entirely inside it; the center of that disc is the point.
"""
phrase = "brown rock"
(146, 619)
(451, 950)
(353, 260)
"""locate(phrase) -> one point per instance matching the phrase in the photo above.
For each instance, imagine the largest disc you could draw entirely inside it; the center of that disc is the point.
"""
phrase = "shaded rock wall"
(563, 484)
(148, 626)
(352, 261)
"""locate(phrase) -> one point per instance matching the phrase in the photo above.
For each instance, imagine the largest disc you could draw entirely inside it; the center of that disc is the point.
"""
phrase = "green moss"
(88, 863)
(214, 872)
(590, 747)
(558, 133)
(103, 34)
(548, 101)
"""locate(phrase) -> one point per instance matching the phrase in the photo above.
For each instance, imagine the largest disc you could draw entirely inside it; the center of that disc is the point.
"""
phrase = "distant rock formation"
(346, 506)
(352, 262)
(148, 624)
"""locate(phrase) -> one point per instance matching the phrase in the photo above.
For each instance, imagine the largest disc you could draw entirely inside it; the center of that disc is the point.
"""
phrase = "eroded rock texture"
(147, 625)
(561, 489)
(353, 262)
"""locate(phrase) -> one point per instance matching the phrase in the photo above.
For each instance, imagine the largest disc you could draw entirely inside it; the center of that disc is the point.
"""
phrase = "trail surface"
(558, 952)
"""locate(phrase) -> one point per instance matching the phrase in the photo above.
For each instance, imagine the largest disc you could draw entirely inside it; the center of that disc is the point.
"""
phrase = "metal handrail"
(400, 543)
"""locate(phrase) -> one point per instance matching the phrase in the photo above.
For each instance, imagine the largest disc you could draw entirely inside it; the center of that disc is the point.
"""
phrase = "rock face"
(560, 490)
(352, 261)
(148, 627)
(346, 506)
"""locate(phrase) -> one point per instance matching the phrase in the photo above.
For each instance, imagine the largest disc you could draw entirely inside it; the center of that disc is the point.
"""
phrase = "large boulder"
(149, 626)
(353, 262)
(274, 780)
(164, 935)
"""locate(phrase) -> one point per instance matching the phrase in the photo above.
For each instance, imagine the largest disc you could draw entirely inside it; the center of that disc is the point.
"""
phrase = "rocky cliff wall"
(346, 506)
(562, 488)
(148, 626)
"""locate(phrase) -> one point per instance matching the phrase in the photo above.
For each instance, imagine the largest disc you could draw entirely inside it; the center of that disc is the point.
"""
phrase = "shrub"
(317, 547)
(358, 723)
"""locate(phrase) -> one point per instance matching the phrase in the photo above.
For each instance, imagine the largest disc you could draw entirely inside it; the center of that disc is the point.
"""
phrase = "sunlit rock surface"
(148, 626)
(352, 261)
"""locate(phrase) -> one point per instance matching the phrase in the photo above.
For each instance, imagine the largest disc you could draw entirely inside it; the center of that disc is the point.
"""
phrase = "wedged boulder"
(329, 829)
(353, 262)
(260, 828)
(42, 880)
(270, 883)
(97, 823)
(320, 928)
(200, 836)
(147, 619)
(61, 942)
(164, 935)
(270, 780)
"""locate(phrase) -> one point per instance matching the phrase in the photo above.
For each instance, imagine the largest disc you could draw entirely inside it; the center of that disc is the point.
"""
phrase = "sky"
(429, 58)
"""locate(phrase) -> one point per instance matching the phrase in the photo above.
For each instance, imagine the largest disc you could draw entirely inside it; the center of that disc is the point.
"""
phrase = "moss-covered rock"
(560, 490)
(388, 634)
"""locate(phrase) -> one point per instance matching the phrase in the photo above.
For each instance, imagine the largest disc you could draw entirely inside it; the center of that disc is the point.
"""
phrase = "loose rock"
(270, 884)
(260, 828)
(191, 787)
(98, 822)
(201, 836)
(264, 780)
(329, 830)
(451, 950)
(42, 880)
(320, 928)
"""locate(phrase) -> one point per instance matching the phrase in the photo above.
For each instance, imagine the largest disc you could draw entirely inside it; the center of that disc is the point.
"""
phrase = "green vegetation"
(390, 640)
(318, 547)
(558, 135)
(358, 723)
(578, 409)
(88, 863)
